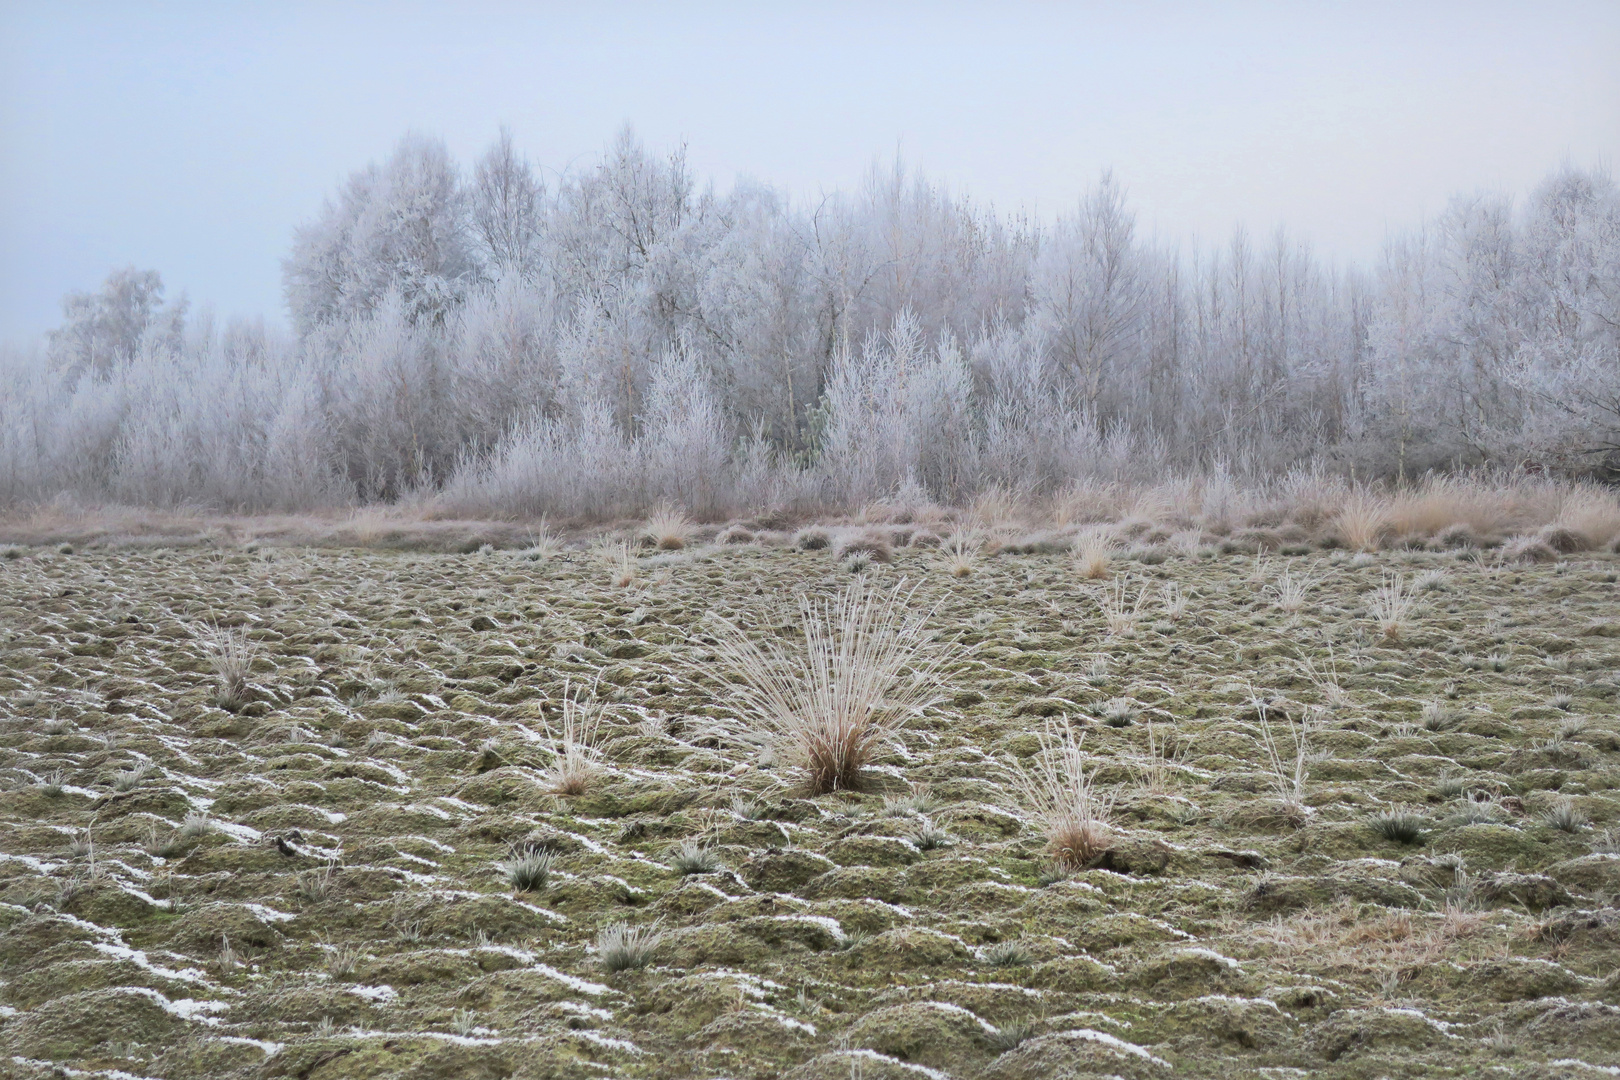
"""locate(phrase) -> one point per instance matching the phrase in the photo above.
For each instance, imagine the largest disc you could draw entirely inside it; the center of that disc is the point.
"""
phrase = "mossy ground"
(390, 751)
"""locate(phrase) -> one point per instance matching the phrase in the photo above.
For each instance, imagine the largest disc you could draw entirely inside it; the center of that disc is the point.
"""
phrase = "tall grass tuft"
(231, 655)
(668, 528)
(575, 756)
(1093, 553)
(866, 665)
(1056, 789)
(1391, 606)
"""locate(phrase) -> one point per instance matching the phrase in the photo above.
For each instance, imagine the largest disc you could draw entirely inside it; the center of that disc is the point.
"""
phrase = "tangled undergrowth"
(359, 814)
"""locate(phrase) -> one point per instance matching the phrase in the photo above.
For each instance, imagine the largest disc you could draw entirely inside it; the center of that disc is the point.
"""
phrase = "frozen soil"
(310, 883)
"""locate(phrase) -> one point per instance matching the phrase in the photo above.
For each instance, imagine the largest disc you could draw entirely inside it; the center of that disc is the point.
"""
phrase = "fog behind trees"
(624, 335)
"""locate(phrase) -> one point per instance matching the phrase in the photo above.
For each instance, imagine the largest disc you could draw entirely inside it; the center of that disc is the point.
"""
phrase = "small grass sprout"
(575, 755)
(1007, 954)
(231, 654)
(129, 779)
(1119, 616)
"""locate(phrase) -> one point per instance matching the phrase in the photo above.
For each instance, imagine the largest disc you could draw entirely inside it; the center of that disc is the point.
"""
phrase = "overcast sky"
(192, 138)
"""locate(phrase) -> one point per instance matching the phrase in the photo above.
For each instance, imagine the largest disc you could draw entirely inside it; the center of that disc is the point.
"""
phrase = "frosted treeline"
(624, 335)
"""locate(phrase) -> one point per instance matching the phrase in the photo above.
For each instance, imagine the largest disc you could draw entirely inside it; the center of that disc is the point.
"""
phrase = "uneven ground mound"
(317, 880)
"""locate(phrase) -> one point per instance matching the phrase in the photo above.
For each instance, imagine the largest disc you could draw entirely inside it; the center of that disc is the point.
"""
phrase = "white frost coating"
(138, 958)
(831, 925)
(782, 1018)
(382, 995)
(6, 1012)
(1608, 1070)
(437, 845)
(594, 989)
(604, 1041)
(435, 811)
(989, 1028)
(579, 1008)
(1211, 954)
(271, 1049)
(185, 1008)
(269, 914)
(873, 1055)
(1113, 1042)
(1272, 1005)
(546, 912)
(458, 803)
(53, 1068)
(241, 832)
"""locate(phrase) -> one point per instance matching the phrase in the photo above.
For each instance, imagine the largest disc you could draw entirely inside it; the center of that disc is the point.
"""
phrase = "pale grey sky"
(191, 138)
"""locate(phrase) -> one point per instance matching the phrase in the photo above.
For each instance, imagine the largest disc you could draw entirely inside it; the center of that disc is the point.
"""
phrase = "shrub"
(865, 667)
(812, 538)
(1092, 555)
(873, 545)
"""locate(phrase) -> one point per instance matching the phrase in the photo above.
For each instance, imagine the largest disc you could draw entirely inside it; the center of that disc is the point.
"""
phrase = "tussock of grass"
(866, 665)
(528, 871)
(231, 655)
(576, 760)
(1056, 789)
(622, 947)
(1401, 826)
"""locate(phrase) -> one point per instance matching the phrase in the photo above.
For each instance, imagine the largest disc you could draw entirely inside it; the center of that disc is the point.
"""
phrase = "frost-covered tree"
(103, 329)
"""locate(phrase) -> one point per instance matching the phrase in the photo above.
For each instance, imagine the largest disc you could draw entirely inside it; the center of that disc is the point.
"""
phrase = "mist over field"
(496, 344)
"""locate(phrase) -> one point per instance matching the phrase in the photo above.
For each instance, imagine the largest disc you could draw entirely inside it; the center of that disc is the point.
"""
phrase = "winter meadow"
(625, 629)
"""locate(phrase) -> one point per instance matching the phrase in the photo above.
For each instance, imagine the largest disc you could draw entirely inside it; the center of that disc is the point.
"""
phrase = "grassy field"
(316, 814)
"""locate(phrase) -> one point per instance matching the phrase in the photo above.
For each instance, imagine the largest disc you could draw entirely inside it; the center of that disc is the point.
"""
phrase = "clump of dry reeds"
(865, 666)
(1057, 791)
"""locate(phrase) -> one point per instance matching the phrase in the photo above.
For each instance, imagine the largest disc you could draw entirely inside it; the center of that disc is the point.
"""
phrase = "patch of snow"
(382, 995)
(584, 987)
